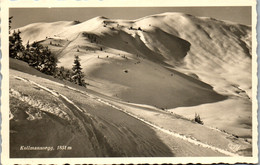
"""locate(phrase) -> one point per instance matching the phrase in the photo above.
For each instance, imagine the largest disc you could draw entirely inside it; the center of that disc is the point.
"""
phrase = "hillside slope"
(172, 61)
(191, 44)
(48, 113)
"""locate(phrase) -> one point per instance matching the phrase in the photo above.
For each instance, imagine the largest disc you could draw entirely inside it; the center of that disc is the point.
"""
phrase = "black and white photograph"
(131, 82)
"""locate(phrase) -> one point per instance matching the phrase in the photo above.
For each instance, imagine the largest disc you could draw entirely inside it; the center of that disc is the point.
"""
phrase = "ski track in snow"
(174, 134)
(66, 45)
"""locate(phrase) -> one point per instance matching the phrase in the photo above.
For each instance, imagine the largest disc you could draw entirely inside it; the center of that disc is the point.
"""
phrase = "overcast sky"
(24, 16)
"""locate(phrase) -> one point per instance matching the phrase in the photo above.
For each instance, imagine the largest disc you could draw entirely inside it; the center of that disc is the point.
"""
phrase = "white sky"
(24, 16)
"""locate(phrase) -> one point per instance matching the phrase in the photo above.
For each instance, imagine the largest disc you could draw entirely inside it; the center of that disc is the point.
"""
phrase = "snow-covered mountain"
(216, 52)
(167, 60)
(147, 79)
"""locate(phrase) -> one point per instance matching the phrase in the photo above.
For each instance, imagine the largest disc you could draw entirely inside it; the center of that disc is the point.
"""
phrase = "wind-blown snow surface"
(169, 60)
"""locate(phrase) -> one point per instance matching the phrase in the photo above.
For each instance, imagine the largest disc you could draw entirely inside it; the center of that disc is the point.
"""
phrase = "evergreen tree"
(77, 74)
(60, 73)
(19, 45)
(68, 75)
(48, 61)
(27, 53)
(34, 44)
(63, 74)
(16, 47)
(42, 59)
(28, 45)
(12, 52)
(10, 21)
(36, 57)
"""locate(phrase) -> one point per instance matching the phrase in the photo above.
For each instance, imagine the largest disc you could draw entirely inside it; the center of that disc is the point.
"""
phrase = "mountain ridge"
(206, 49)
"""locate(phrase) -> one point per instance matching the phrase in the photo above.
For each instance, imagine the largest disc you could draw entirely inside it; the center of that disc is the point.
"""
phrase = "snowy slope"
(192, 44)
(167, 60)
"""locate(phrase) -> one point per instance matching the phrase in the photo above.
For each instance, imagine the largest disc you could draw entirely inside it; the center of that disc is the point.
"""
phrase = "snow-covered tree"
(42, 59)
(77, 75)
(49, 62)
(16, 47)
(36, 55)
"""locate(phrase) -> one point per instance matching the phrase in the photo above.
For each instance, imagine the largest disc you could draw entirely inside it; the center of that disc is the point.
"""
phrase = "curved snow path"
(183, 137)
(39, 104)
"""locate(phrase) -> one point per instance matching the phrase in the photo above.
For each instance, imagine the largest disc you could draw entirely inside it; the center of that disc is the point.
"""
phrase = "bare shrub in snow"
(197, 119)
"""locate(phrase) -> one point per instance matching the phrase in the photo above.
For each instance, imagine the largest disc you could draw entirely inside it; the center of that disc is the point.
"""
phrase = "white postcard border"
(5, 5)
